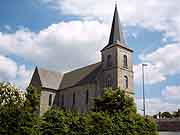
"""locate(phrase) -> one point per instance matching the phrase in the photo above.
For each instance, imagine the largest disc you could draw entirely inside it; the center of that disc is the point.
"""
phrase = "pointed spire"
(116, 35)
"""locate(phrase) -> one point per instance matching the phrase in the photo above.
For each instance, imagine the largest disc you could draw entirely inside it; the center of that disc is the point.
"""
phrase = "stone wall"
(44, 100)
(80, 97)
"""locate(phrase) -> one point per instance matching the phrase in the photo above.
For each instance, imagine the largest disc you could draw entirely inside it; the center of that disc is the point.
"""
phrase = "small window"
(62, 100)
(125, 64)
(109, 81)
(50, 99)
(87, 97)
(109, 60)
(74, 98)
(126, 81)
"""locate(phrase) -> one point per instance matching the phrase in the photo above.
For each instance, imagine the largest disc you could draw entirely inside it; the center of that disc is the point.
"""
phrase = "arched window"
(125, 64)
(109, 60)
(74, 98)
(50, 99)
(126, 81)
(109, 81)
(62, 100)
(87, 97)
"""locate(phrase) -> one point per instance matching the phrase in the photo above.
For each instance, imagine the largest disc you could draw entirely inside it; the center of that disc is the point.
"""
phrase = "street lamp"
(144, 104)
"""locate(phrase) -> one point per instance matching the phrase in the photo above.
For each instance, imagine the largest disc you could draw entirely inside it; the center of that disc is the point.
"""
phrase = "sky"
(63, 35)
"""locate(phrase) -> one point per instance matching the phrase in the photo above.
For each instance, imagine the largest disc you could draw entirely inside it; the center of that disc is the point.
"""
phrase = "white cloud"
(13, 73)
(162, 63)
(151, 73)
(172, 93)
(8, 69)
(153, 15)
(61, 46)
(155, 105)
(23, 76)
(165, 59)
(161, 15)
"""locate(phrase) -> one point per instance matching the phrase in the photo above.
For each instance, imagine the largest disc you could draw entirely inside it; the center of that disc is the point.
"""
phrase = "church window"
(50, 99)
(109, 60)
(126, 81)
(87, 97)
(125, 64)
(109, 81)
(62, 100)
(74, 98)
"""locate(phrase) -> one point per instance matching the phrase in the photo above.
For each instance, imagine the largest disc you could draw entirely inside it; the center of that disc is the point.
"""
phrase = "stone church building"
(74, 90)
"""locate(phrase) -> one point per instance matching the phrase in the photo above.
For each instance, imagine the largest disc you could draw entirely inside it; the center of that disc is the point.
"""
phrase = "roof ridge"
(73, 77)
(82, 67)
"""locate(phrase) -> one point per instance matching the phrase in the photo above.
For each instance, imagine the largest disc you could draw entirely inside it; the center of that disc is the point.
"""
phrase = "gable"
(35, 81)
(50, 79)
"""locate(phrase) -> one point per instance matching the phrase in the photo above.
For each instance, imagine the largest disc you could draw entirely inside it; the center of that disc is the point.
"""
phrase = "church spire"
(116, 35)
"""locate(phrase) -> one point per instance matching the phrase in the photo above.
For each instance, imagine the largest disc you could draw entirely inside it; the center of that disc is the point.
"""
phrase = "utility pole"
(144, 102)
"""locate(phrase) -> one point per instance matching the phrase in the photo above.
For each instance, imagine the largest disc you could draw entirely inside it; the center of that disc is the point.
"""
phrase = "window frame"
(126, 80)
(74, 98)
(62, 100)
(125, 61)
(50, 100)
(109, 60)
(87, 97)
(109, 81)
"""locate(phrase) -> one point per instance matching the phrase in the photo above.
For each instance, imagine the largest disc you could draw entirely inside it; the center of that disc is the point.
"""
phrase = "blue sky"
(45, 32)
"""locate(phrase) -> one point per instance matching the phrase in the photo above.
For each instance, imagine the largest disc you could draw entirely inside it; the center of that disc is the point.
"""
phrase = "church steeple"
(116, 35)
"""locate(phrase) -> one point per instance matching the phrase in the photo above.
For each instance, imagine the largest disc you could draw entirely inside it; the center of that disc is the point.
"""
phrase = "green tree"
(30, 112)
(18, 112)
(11, 103)
(55, 122)
(114, 114)
(114, 101)
(176, 114)
(166, 115)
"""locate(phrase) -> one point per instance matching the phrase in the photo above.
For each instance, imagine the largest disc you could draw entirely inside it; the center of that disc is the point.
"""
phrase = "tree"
(11, 103)
(114, 114)
(166, 115)
(176, 114)
(30, 112)
(114, 101)
(18, 112)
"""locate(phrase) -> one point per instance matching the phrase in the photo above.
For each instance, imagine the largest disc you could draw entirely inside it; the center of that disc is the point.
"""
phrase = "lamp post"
(144, 104)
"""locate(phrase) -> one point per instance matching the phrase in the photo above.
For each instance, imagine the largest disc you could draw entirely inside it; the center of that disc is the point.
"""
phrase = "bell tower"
(117, 59)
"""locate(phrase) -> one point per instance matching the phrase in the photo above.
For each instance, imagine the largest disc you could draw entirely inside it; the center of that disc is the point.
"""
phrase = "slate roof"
(49, 79)
(74, 77)
(116, 35)
(56, 80)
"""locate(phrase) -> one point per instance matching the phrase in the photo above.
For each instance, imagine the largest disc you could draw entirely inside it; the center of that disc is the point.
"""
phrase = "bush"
(114, 114)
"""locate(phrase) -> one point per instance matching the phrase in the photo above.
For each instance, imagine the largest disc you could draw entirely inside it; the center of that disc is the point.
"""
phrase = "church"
(74, 90)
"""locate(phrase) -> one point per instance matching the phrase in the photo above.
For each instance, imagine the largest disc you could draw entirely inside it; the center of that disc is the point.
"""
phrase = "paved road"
(169, 133)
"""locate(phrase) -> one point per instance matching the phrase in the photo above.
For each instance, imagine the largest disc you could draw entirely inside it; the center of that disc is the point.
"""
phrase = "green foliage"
(55, 122)
(32, 100)
(18, 113)
(114, 114)
(166, 115)
(176, 114)
(30, 112)
(9, 96)
(114, 101)
(11, 103)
